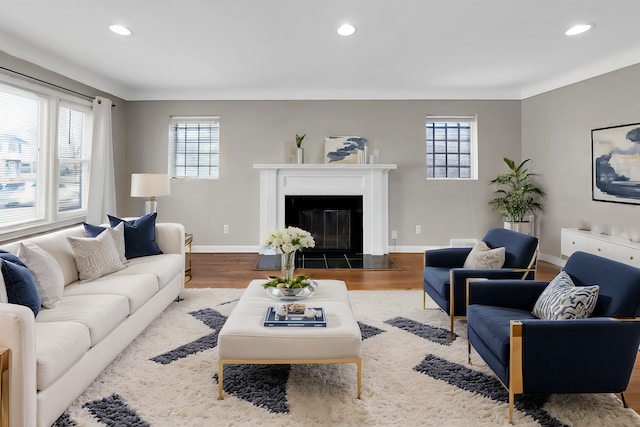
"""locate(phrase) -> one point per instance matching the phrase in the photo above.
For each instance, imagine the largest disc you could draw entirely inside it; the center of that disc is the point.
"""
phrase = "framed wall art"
(616, 164)
(344, 149)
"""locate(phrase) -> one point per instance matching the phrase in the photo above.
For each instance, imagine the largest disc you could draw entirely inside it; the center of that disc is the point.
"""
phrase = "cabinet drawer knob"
(599, 250)
(631, 257)
(573, 243)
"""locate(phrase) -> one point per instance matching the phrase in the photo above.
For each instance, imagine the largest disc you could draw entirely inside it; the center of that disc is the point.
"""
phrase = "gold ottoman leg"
(220, 370)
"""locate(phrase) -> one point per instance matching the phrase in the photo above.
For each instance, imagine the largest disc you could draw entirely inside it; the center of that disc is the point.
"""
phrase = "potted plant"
(517, 195)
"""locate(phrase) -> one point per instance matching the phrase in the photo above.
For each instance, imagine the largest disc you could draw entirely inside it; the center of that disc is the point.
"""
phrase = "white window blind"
(451, 147)
(43, 162)
(195, 147)
(73, 157)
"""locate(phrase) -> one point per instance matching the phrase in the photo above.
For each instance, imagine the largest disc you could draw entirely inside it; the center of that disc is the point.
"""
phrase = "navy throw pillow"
(19, 282)
(93, 230)
(139, 235)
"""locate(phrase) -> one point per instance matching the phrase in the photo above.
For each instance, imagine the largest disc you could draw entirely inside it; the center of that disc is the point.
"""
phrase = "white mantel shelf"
(321, 179)
(328, 166)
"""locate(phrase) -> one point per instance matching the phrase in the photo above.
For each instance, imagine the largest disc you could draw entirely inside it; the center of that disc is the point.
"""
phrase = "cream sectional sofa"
(55, 355)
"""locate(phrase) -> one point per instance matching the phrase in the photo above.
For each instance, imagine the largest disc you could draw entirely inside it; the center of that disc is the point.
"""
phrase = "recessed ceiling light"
(578, 29)
(120, 29)
(346, 29)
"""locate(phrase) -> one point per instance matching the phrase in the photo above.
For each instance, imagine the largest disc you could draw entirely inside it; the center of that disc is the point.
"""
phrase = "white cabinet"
(623, 250)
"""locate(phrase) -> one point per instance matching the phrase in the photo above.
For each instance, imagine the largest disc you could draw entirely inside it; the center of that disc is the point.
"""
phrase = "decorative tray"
(297, 319)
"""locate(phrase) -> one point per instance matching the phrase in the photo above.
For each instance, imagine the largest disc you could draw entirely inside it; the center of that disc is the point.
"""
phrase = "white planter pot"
(524, 227)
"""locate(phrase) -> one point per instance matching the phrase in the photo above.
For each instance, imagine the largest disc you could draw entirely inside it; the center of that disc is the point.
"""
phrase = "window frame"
(47, 216)
(472, 120)
(173, 120)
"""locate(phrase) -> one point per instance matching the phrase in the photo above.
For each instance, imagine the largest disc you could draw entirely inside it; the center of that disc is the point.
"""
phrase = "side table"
(188, 240)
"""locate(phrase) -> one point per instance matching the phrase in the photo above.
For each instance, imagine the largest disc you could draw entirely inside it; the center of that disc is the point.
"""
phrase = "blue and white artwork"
(343, 149)
(616, 164)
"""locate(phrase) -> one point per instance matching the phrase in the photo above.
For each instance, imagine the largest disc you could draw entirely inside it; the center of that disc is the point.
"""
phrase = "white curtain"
(102, 183)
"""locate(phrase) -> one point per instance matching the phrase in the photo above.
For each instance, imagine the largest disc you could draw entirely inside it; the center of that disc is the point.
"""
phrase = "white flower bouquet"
(290, 239)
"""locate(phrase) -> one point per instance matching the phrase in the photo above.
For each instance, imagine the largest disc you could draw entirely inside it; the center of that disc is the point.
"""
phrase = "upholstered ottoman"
(245, 340)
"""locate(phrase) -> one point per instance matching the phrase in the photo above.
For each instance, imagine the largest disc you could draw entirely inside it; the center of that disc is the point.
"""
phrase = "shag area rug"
(412, 376)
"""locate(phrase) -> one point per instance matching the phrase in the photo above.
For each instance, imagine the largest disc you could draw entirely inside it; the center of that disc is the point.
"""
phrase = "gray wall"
(263, 132)
(556, 134)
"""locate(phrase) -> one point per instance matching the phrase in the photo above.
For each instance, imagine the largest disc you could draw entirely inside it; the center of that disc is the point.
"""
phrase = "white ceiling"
(289, 49)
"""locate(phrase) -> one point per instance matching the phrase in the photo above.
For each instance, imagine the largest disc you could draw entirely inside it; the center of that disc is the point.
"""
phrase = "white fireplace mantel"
(368, 180)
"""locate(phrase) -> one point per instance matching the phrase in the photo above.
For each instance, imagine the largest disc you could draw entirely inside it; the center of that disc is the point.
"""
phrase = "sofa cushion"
(482, 256)
(139, 235)
(99, 313)
(59, 346)
(438, 278)
(561, 300)
(137, 288)
(492, 325)
(20, 285)
(117, 233)
(164, 267)
(46, 273)
(95, 257)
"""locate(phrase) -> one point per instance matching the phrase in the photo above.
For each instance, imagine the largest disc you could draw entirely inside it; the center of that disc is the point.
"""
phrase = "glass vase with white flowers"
(288, 241)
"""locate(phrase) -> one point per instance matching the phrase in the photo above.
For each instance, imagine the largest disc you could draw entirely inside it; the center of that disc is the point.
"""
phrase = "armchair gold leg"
(511, 401)
(452, 336)
(468, 351)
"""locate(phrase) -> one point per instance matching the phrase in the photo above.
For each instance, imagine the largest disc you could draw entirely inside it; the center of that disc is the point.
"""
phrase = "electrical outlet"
(418, 229)
(226, 229)
(394, 234)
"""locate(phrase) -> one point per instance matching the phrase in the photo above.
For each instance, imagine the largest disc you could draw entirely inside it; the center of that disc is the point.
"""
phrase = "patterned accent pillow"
(561, 299)
(95, 257)
(116, 232)
(482, 256)
(46, 273)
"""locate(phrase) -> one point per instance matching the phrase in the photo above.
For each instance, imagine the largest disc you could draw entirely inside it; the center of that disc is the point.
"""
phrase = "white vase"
(300, 156)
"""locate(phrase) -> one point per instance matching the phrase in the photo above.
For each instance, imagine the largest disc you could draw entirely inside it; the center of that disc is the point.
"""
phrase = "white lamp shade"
(150, 184)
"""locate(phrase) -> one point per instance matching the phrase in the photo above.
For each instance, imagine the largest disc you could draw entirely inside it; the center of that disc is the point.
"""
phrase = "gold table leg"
(4, 387)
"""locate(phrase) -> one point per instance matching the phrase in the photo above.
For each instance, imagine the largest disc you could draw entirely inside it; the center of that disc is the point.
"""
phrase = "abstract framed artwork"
(344, 149)
(615, 165)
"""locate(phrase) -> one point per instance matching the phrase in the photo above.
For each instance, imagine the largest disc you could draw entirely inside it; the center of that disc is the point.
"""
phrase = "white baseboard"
(224, 249)
(552, 259)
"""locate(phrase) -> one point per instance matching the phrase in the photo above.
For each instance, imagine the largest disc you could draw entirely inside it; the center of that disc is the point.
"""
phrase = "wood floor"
(235, 270)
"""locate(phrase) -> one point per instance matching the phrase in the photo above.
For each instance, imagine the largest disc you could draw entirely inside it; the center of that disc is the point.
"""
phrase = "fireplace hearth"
(305, 260)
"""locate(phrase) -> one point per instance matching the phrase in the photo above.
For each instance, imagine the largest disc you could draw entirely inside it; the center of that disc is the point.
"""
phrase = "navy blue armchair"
(534, 356)
(445, 279)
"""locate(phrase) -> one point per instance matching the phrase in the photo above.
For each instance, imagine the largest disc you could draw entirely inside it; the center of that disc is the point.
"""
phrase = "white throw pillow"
(482, 256)
(562, 299)
(46, 273)
(117, 233)
(95, 256)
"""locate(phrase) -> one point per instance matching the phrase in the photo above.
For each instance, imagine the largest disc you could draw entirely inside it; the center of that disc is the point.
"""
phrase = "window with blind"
(195, 147)
(43, 156)
(451, 147)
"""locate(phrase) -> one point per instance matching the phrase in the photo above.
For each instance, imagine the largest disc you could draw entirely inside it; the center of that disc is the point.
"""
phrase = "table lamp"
(150, 185)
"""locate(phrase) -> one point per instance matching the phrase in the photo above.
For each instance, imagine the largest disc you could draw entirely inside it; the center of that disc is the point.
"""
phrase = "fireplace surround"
(367, 180)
